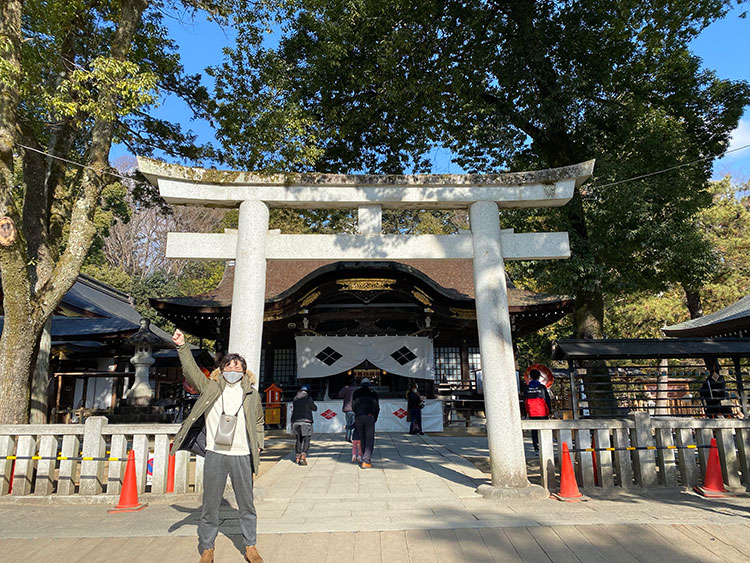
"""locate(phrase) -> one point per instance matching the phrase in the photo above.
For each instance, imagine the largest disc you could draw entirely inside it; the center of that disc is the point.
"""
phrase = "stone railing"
(89, 459)
(640, 451)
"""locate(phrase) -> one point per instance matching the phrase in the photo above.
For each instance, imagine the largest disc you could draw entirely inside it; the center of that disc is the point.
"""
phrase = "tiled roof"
(455, 276)
(731, 320)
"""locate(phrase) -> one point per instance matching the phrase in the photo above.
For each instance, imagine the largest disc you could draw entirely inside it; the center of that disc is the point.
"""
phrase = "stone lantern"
(145, 342)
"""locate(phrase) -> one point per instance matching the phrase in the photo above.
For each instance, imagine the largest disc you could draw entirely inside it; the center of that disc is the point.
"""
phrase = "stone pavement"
(417, 504)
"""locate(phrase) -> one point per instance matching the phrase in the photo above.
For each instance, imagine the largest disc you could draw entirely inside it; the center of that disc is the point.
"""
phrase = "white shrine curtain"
(320, 356)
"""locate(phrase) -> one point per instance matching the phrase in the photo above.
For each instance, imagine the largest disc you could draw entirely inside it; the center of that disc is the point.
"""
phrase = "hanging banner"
(321, 356)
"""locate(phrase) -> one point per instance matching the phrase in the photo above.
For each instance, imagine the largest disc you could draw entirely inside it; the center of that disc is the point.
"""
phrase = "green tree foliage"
(726, 224)
(360, 85)
(373, 86)
(74, 77)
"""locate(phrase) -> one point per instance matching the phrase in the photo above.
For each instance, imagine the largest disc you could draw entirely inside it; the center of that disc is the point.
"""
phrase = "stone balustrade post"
(644, 460)
(92, 472)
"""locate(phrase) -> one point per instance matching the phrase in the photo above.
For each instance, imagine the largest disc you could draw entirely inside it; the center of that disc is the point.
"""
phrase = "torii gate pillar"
(504, 432)
(248, 298)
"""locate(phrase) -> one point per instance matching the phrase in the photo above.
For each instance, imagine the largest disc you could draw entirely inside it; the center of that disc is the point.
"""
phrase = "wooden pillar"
(740, 384)
(573, 396)
(465, 369)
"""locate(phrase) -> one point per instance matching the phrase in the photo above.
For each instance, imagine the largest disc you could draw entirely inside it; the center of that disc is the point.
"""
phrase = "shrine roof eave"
(154, 169)
(650, 348)
(733, 320)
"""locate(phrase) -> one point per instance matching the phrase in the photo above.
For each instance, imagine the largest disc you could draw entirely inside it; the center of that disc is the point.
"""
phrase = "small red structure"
(273, 404)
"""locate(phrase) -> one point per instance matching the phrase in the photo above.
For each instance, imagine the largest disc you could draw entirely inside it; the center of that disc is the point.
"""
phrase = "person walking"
(414, 404)
(226, 427)
(302, 422)
(366, 409)
(537, 402)
(346, 394)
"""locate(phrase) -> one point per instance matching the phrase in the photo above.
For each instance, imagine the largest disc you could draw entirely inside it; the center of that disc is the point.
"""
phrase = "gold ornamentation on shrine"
(309, 298)
(421, 297)
(365, 284)
(469, 314)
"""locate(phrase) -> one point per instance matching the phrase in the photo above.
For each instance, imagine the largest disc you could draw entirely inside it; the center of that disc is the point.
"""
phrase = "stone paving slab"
(417, 504)
(543, 544)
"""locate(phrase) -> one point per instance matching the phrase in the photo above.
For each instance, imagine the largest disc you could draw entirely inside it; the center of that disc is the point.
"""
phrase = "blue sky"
(724, 47)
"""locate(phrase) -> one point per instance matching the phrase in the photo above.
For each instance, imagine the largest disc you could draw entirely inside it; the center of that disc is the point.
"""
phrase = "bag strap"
(242, 402)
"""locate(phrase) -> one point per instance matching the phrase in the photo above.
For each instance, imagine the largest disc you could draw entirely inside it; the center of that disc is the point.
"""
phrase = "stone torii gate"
(489, 246)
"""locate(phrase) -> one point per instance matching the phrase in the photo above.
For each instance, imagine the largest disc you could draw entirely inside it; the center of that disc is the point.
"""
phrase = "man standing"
(226, 426)
(346, 394)
(537, 402)
(366, 409)
(302, 422)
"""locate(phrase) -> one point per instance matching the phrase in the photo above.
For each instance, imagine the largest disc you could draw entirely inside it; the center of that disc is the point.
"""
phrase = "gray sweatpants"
(215, 470)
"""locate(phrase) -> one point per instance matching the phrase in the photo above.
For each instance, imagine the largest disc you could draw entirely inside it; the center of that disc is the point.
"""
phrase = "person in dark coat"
(302, 422)
(414, 405)
(366, 409)
(537, 402)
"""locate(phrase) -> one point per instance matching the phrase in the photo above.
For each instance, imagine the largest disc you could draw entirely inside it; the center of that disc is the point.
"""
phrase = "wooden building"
(419, 298)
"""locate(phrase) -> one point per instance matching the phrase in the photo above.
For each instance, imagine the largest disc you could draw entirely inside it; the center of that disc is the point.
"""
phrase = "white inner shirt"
(233, 397)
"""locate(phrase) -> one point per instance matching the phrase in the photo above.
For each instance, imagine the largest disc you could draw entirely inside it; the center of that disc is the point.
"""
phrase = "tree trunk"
(694, 304)
(26, 311)
(597, 382)
(40, 380)
(17, 347)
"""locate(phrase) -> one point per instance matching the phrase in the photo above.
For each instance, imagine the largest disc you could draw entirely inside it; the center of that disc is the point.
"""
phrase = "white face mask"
(232, 376)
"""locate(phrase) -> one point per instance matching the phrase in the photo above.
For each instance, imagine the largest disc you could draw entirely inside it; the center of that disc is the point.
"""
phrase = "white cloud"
(740, 138)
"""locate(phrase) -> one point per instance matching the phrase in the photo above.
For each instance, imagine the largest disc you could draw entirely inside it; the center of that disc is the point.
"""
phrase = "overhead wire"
(632, 179)
(80, 165)
(641, 176)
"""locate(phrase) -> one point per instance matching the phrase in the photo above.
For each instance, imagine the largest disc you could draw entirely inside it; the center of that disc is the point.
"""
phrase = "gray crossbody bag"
(227, 425)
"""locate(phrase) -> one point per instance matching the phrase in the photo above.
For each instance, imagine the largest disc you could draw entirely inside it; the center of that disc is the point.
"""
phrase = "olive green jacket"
(210, 390)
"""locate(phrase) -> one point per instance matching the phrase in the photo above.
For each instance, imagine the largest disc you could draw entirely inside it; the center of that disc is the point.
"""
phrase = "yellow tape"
(36, 457)
(62, 457)
(87, 459)
(650, 447)
(609, 449)
(11, 457)
(630, 448)
(671, 447)
(692, 446)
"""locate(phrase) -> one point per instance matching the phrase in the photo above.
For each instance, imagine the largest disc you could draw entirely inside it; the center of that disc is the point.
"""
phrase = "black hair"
(535, 374)
(229, 358)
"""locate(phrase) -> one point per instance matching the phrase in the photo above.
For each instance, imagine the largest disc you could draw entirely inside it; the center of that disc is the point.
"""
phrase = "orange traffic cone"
(170, 474)
(568, 487)
(713, 482)
(129, 494)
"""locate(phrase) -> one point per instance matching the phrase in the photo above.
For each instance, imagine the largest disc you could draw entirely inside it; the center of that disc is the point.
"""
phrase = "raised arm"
(190, 369)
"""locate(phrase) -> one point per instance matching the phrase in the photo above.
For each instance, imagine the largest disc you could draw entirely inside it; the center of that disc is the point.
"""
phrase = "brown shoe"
(207, 556)
(366, 465)
(252, 555)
